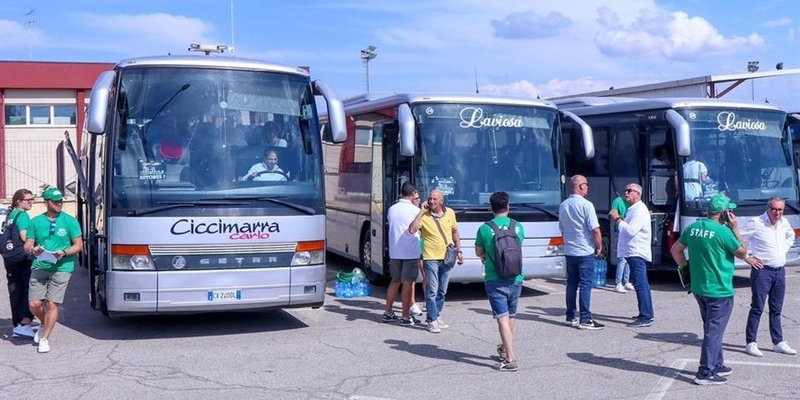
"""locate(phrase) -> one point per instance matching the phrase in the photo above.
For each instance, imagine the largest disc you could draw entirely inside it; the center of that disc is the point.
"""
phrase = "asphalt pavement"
(344, 351)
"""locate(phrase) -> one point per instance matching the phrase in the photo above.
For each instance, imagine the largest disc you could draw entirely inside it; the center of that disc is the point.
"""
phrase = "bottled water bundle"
(352, 284)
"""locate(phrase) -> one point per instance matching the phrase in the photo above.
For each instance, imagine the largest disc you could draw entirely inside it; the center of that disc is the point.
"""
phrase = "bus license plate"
(224, 295)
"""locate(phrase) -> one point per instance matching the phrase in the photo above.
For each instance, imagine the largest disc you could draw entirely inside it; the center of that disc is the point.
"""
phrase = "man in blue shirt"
(583, 241)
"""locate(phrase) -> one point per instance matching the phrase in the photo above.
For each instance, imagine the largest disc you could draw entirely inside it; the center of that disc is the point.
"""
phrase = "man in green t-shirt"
(503, 292)
(712, 243)
(54, 238)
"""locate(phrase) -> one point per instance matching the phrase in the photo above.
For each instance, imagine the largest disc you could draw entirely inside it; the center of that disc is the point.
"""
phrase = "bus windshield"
(188, 135)
(469, 151)
(740, 152)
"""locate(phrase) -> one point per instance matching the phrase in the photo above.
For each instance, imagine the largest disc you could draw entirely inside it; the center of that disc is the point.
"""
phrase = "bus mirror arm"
(681, 127)
(586, 132)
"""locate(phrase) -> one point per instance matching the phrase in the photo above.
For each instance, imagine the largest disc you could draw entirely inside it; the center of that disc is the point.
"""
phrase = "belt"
(768, 268)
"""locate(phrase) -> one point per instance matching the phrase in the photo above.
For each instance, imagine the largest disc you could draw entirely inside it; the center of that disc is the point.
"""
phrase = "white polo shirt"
(767, 242)
(403, 245)
(635, 233)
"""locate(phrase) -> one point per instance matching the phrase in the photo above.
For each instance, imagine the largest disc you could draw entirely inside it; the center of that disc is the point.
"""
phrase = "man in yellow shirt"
(439, 228)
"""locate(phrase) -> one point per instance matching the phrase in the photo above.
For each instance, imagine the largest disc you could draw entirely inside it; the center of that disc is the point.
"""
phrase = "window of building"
(20, 115)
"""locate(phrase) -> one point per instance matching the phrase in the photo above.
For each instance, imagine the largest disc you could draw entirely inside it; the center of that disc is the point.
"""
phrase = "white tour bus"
(468, 146)
(180, 206)
(745, 147)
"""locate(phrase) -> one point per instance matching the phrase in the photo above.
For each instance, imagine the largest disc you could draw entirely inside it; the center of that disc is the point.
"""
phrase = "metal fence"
(32, 164)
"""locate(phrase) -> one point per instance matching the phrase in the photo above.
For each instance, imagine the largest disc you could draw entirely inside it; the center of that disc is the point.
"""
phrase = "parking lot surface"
(344, 351)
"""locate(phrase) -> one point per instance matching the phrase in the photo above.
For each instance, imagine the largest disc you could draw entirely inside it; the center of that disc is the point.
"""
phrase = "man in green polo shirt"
(54, 238)
(712, 243)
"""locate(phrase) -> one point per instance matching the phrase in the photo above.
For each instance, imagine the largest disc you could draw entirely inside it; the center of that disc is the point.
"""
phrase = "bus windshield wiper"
(537, 206)
(298, 207)
(171, 205)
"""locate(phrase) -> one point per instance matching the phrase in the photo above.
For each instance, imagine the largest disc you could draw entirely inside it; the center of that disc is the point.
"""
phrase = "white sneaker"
(629, 286)
(752, 349)
(44, 346)
(23, 330)
(36, 335)
(433, 327)
(620, 289)
(415, 310)
(441, 323)
(784, 348)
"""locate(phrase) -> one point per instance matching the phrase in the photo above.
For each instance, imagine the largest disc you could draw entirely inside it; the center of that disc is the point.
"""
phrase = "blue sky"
(550, 48)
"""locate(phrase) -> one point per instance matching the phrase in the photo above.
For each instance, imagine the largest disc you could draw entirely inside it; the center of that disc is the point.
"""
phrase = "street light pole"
(368, 54)
(752, 66)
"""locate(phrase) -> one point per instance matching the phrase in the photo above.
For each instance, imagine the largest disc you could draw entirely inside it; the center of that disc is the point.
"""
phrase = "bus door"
(395, 170)
(660, 188)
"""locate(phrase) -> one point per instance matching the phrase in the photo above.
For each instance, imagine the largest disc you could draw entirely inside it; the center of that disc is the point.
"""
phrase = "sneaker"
(620, 289)
(501, 352)
(44, 346)
(711, 379)
(410, 321)
(433, 327)
(442, 325)
(36, 335)
(640, 323)
(573, 322)
(784, 348)
(390, 317)
(591, 325)
(724, 370)
(628, 286)
(752, 349)
(506, 365)
(23, 330)
(415, 310)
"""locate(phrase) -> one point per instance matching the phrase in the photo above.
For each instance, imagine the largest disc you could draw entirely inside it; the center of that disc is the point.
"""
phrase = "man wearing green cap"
(54, 238)
(712, 243)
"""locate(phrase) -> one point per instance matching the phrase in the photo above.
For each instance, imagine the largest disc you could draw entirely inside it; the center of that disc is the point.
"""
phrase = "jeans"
(640, 283)
(18, 276)
(503, 297)
(766, 282)
(715, 313)
(437, 276)
(623, 271)
(580, 274)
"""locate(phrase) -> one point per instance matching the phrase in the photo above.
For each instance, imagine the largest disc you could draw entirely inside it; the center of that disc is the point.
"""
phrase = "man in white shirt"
(635, 237)
(404, 254)
(695, 174)
(768, 238)
(267, 170)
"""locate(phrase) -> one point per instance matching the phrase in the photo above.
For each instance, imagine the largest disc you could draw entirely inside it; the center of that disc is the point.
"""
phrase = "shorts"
(404, 270)
(46, 285)
(503, 297)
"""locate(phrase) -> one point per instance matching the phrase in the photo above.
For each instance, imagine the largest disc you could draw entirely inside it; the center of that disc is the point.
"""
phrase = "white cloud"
(529, 25)
(778, 22)
(521, 88)
(792, 35)
(671, 35)
(14, 35)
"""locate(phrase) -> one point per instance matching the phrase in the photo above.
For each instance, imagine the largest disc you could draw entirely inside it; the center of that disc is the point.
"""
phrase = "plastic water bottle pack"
(352, 284)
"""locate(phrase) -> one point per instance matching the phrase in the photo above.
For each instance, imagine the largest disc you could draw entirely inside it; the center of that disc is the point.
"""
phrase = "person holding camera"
(769, 237)
(439, 229)
(712, 243)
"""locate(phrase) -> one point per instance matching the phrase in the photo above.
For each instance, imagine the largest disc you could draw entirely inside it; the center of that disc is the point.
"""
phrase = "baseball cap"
(53, 194)
(719, 203)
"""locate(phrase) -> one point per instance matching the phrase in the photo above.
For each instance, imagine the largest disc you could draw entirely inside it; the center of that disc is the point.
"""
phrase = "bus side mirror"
(98, 104)
(406, 123)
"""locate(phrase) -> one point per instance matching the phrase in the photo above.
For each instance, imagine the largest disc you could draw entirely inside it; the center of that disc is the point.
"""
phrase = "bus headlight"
(308, 257)
(554, 250)
(132, 263)
(555, 247)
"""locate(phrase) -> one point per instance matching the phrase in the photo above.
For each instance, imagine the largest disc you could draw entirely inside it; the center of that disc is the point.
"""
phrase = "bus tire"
(365, 255)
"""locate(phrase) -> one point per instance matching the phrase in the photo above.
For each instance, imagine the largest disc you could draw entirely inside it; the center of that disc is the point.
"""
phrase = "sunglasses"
(56, 201)
(776, 209)
(52, 228)
(631, 190)
(28, 200)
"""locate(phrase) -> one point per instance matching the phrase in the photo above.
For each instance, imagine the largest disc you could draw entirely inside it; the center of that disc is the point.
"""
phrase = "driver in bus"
(267, 170)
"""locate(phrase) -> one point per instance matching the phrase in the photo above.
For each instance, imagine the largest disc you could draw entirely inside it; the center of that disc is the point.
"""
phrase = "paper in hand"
(47, 256)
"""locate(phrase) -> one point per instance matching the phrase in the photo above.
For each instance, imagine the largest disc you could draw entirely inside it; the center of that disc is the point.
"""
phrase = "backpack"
(507, 257)
(11, 245)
